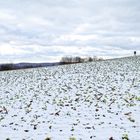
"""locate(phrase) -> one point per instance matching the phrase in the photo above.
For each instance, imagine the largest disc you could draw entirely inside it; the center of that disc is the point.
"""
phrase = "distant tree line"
(77, 59)
(10, 66)
(64, 60)
(4, 67)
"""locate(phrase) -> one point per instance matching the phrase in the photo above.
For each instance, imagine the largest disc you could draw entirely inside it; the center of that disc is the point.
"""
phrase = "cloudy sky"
(46, 30)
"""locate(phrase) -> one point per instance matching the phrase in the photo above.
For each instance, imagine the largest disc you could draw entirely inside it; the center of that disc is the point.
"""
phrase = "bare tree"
(77, 59)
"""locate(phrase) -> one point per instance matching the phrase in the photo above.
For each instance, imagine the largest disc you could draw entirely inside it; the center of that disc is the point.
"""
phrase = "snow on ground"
(97, 100)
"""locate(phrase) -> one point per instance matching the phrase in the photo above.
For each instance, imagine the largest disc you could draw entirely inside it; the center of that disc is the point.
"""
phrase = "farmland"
(96, 100)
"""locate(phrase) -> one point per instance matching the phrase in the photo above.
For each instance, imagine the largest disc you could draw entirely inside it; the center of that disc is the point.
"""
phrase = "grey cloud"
(41, 23)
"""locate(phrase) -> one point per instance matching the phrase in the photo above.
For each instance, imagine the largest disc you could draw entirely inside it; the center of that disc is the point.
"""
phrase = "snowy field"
(97, 100)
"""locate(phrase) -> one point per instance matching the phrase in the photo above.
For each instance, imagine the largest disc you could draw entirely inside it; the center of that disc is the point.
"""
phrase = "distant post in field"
(134, 53)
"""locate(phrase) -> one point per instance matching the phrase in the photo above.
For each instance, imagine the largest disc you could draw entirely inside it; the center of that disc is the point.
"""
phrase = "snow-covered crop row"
(98, 100)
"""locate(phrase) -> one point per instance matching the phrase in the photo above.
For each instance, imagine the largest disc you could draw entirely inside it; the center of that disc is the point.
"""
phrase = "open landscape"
(95, 100)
